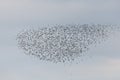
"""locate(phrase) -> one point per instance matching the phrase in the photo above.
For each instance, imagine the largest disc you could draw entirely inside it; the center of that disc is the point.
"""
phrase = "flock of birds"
(62, 43)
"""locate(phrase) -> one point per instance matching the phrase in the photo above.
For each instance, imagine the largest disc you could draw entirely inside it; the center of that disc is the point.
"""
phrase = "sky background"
(101, 63)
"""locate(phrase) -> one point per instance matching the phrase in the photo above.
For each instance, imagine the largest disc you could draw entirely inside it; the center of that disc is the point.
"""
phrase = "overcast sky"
(102, 61)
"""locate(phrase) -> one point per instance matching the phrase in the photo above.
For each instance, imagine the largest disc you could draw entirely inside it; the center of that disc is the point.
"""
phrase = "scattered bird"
(62, 43)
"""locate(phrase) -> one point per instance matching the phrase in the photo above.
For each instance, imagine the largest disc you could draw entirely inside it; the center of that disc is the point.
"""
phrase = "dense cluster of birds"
(62, 43)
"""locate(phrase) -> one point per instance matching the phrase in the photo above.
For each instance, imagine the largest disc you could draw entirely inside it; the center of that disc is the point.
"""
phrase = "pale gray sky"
(16, 15)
